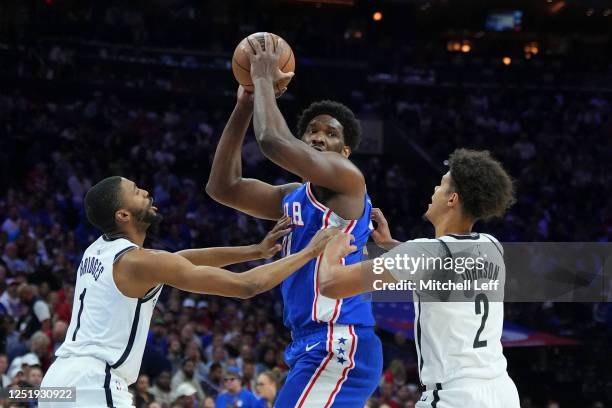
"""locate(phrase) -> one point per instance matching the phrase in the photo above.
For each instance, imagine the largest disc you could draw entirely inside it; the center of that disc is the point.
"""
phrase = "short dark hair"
(102, 201)
(484, 187)
(342, 113)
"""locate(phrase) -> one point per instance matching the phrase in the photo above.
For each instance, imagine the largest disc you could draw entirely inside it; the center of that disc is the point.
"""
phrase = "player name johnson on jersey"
(106, 324)
(458, 335)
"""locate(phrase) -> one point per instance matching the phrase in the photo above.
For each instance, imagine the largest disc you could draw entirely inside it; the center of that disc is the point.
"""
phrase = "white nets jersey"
(458, 337)
(106, 324)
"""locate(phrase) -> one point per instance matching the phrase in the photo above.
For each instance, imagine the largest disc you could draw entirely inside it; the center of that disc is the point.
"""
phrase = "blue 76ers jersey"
(304, 306)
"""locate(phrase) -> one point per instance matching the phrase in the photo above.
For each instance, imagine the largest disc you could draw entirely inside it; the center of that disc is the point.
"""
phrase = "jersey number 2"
(481, 297)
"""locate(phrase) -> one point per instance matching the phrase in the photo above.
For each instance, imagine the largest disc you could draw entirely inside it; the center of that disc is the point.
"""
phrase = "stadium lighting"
(377, 16)
(507, 61)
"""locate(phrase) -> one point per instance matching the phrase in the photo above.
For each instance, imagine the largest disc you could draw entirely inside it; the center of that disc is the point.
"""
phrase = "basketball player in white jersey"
(118, 283)
(458, 338)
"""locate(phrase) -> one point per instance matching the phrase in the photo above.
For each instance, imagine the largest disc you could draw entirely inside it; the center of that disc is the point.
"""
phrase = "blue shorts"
(337, 367)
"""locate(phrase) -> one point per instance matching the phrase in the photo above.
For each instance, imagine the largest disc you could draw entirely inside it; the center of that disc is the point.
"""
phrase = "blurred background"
(142, 89)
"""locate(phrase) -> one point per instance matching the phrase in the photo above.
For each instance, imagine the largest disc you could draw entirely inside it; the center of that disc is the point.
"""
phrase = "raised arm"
(141, 269)
(226, 184)
(223, 256)
(326, 169)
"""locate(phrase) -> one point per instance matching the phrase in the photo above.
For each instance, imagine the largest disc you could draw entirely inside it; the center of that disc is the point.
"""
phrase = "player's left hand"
(264, 61)
(268, 247)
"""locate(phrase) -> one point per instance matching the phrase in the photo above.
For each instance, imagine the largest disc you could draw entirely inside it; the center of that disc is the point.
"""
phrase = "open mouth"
(318, 147)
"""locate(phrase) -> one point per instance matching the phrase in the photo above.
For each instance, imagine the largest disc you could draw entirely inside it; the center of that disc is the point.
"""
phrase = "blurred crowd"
(204, 351)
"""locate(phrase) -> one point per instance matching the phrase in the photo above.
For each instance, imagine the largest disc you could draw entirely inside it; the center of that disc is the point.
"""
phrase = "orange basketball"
(241, 64)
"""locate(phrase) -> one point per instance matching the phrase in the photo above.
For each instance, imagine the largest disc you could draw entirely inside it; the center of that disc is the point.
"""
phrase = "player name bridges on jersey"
(106, 324)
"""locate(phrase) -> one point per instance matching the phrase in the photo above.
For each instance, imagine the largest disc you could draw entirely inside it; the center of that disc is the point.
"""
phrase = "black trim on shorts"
(107, 391)
(418, 343)
(130, 344)
(436, 399)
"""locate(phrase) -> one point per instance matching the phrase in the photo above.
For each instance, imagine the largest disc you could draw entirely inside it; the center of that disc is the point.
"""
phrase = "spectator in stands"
(235, 394)
(213, 382)
(38, 316)
(387, 392)
(35, 376)
(58, 336)
(9, 299)
(267, 387)
(186, 375)
(162, 390)
(142, 396)
(186, 396)
(5, 381)
(12, 260)
(248, 375)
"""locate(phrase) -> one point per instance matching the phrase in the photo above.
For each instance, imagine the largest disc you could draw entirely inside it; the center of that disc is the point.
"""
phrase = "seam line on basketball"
(251, 45)
(288, 59)
(237, 63)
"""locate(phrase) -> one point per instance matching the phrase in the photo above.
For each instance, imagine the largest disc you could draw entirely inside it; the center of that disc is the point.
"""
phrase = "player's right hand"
(321, 238)
(337, 248)
(381, 235)
(243, 97)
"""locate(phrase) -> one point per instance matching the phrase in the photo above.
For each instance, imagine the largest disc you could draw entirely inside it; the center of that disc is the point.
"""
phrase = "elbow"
(329, 288)
(212, 189)
(248, 291)
(217, 192)
(270, 144)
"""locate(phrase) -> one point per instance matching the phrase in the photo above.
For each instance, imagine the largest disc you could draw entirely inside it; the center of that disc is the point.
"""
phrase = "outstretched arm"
(226, 184)
(223, 256)
(141, 269)
(326, 169)
(338, 281)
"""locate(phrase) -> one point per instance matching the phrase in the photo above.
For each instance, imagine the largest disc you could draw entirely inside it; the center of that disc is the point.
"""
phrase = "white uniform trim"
(327, 380)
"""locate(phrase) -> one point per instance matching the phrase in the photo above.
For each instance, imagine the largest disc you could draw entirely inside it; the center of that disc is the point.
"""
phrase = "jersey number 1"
(81, 299)
(481, 297)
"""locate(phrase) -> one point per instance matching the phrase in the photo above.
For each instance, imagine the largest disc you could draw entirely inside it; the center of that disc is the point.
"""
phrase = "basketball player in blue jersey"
(335, 358)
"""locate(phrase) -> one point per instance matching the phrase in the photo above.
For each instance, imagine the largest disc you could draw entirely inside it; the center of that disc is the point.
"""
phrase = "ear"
(122, 217)
(346, 151)
(453, 200)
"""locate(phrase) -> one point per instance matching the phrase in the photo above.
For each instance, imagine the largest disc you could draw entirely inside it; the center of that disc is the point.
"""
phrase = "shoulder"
(289, 188)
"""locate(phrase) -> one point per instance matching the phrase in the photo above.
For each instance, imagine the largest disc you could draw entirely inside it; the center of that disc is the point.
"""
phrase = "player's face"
(139, 204)
(439, 199)
(326, 134)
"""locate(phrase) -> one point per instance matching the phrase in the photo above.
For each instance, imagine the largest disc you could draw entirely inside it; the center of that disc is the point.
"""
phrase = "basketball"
(241, 64)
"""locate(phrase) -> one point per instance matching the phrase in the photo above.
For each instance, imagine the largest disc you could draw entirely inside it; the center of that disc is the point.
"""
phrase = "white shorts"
(97, 385)
(498, 393)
